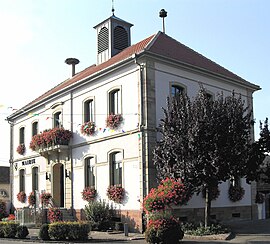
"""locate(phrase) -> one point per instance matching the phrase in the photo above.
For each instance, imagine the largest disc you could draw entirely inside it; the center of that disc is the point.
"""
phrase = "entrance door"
(58, 184)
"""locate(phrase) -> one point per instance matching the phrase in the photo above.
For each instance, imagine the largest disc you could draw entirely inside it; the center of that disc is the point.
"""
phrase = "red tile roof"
(160, 44)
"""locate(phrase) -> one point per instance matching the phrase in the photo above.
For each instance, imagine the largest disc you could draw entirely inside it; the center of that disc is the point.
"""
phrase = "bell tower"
(113, 36)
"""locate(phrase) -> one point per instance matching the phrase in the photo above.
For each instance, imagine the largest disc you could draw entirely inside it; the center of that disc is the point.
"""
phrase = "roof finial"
(163, 14)
(112, 7)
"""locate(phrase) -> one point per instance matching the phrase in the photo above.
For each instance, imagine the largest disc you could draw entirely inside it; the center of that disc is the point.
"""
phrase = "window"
(34, 178)
(89, 110)
(34, 128)
(89, 166)
(22, 180)
(114, 102)
(176, 90)
(116, 168)
(21, 139)
(57, 120)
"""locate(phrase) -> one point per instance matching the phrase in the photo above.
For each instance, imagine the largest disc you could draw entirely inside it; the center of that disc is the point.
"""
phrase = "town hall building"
(109, 113)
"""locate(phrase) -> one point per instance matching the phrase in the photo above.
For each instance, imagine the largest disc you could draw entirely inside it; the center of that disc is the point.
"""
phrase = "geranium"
(21, 196)
(88, 128)
(170, 191)
(259, 198)
(21, 149)
(163, 228)
(89, 194)
(116, 193)
(45, 198)
(236, 193)
(51, 137)
(113, 121)
(32, 199)
(55, 215)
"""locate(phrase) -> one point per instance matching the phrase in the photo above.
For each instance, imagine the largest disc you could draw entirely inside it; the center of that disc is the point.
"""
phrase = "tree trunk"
(207, 209)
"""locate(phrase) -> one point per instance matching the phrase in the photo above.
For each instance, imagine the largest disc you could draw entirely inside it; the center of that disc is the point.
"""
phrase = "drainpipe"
(141, 129)
(11, 162)
(71, 155)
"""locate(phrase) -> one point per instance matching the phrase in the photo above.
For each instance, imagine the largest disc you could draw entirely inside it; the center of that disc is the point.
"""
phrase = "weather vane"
(112, 7)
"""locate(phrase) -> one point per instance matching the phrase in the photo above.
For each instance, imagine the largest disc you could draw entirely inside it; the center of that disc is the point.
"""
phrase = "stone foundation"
(136, 223)
(219, 214)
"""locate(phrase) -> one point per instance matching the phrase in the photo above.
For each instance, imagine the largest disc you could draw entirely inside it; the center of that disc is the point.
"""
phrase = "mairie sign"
(28, 162)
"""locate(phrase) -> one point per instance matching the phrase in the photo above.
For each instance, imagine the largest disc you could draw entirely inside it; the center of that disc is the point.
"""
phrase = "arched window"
(176, 90)
(57, 120)
(116, 168)
(22, 135)
(114, 102)
(22, 180)
(35, 178)
(34, 128)
(88, 108)
(89, 167)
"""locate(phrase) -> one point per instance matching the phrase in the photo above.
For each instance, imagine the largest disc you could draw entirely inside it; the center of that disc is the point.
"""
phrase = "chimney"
(73, 62)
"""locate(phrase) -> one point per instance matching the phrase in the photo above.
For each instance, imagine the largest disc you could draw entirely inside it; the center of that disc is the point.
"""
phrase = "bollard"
(126, 229)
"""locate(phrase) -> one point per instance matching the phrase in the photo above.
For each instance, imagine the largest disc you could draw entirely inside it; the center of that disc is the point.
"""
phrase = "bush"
(44, 232)
(78, 230)
(2, 234)
(201, 230)
(98, 214)
(163, 228)
(69, 230)
(3, 212)
(22, 231)
(58, 231)
(10, 229)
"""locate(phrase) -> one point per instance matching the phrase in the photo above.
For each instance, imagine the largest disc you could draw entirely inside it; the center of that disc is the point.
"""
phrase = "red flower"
(116, 193)
(21, 149)
(113, 121)
(55, 215)
(88, 128)
(89, 194)
(21, 196)
(32, 199)
(45, 198)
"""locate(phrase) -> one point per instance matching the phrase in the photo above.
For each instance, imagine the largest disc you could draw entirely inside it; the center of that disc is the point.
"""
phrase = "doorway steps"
(67, 214)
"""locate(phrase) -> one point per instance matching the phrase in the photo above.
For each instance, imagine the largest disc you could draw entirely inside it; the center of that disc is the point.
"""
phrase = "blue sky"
(38, 35)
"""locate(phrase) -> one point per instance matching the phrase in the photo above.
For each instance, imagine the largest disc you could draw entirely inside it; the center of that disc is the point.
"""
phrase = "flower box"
(116, 193)
(113, 121)
(89, 194)
(50, 138)
(88, 128)
(21, 196)
(21, 149)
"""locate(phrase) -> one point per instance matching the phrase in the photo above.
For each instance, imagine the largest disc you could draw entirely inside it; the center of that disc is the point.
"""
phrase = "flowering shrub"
(32, 199)
(21, 196)
(51, 137)
(113, 121)
(259, 197)
(45, 198)
(213, 193)
(89, 194)
(116, 193)
(170, 191)
(10, 217)
(88, 128)
(163, 228)
(21, 149)
(236, 193)
(3, 212)
(55, 215)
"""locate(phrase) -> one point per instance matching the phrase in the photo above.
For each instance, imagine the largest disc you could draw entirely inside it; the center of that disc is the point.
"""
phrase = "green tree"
(203, 141)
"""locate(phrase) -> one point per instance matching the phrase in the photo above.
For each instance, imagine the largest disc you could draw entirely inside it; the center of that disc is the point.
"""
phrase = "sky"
(36, 36)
